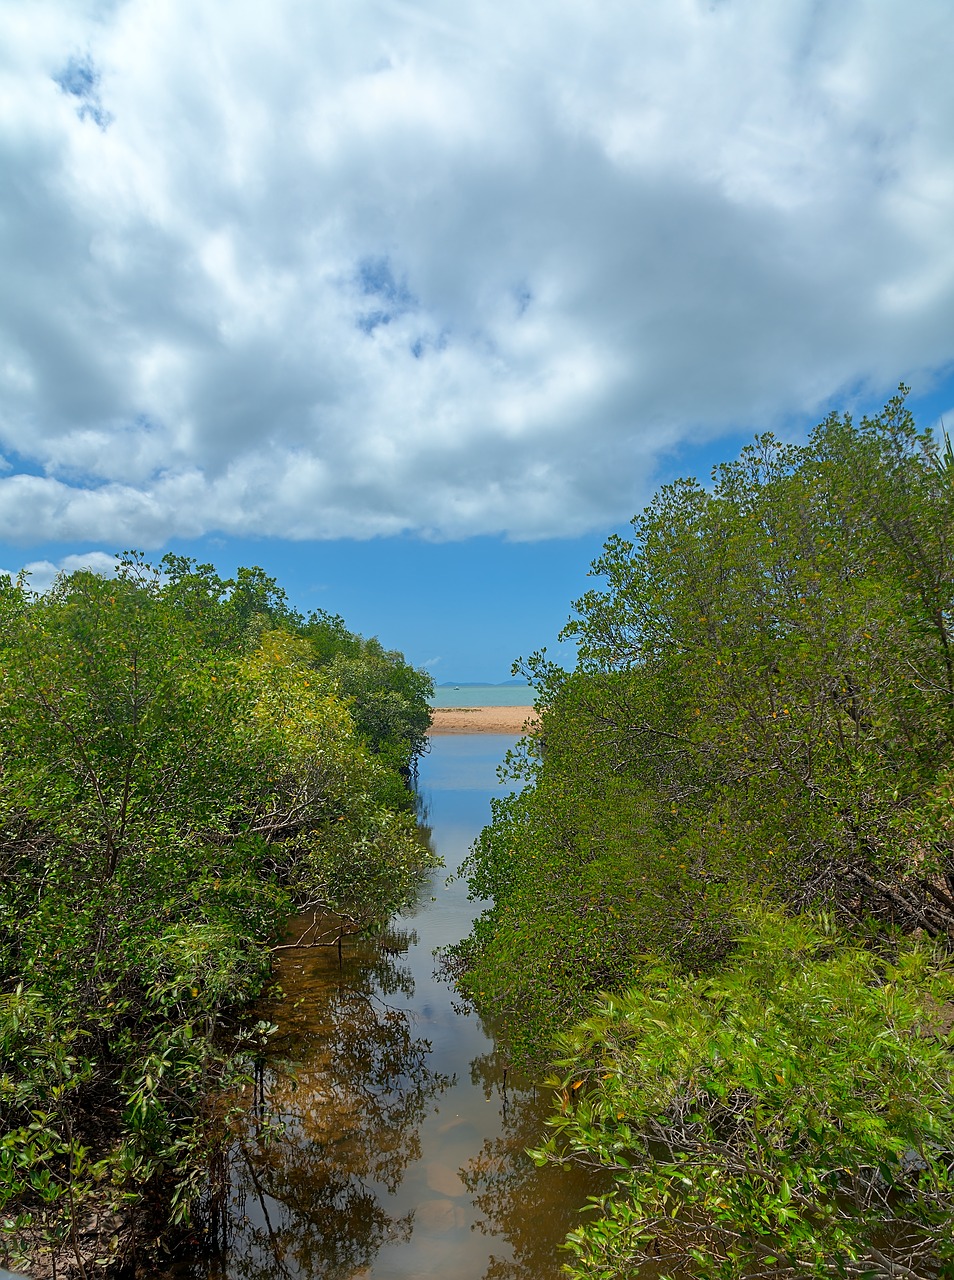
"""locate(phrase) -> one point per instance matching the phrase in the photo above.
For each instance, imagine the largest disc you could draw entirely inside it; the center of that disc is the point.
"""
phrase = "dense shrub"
(177, 770)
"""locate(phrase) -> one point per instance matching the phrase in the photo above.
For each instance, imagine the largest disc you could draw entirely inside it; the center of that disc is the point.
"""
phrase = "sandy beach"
(479, 719)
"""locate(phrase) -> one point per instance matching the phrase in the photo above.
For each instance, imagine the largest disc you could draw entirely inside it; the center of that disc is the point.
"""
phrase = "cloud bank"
(315, 270)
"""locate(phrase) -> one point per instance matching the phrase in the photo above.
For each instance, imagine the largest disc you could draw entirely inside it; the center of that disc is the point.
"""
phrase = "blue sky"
(412, 304)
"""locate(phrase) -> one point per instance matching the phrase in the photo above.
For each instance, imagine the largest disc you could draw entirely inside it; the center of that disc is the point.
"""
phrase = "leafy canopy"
(761, 713)
(179, 768)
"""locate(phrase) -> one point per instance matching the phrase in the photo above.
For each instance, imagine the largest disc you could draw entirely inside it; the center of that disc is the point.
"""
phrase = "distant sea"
(482, 695)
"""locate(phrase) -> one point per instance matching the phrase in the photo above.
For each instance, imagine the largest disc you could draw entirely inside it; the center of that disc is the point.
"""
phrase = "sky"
(414, 303)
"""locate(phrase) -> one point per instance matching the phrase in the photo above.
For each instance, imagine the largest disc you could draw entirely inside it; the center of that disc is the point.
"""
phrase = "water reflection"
(346, 1087)
(403, 1155)
(529, 1209)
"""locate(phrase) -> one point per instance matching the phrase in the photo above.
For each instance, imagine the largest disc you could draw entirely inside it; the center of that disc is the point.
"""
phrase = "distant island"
(480, 684)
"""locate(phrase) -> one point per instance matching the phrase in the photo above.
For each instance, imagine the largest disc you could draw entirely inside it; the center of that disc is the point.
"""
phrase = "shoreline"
(480, 720)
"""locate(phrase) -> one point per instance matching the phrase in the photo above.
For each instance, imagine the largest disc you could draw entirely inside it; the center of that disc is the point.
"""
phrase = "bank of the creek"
(382, 1142)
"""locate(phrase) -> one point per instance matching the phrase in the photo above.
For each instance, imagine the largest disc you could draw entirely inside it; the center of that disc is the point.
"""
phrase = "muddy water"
(383, 1142)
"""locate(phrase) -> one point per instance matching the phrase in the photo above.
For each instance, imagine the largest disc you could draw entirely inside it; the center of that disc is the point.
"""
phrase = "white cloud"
(42, 572)
(313, 271)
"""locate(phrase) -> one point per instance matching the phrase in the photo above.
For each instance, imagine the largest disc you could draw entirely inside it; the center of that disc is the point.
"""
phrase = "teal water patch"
(483, 695)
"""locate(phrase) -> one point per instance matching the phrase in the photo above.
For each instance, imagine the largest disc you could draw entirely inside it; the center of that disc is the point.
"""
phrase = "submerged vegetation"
(183, 760)
(726, 891)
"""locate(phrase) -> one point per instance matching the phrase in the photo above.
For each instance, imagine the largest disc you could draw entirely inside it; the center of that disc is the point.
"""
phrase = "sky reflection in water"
(401, 1157)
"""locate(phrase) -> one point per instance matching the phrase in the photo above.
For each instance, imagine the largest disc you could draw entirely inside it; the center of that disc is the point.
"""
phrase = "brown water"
(382, 1142)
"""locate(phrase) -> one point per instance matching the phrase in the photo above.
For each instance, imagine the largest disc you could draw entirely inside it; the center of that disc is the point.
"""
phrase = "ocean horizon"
(482, 695)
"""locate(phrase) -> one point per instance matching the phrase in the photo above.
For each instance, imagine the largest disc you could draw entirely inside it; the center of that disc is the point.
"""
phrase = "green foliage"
(763, 707)
(329, 637)
(790, 1116)
(348, 835)
(579, 894)
(231, 612)
(175, 776)
(115, 719)
(389, 699)
(762, 712)
(779, 652)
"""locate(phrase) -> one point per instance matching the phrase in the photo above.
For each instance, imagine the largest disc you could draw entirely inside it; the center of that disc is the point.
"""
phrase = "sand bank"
(479, 719)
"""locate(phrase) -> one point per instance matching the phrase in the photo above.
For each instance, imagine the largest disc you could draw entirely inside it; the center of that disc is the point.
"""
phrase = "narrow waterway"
(383, 1142)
